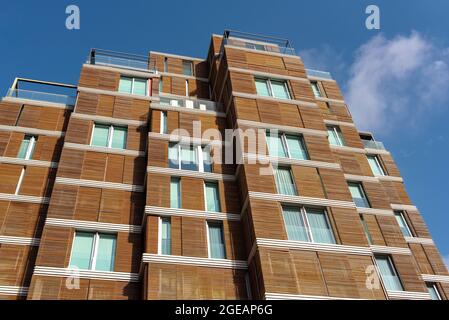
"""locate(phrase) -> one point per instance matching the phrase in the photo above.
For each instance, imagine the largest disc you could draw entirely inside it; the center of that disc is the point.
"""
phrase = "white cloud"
(397, 83)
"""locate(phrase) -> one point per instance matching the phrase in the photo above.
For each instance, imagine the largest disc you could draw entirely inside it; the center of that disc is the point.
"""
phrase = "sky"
(395, 79)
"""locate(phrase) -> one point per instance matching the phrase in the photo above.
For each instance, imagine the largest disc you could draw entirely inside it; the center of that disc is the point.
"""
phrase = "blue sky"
(395, 79)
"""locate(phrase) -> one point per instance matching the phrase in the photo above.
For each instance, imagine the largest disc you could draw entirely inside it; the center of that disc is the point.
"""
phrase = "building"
(95, 204)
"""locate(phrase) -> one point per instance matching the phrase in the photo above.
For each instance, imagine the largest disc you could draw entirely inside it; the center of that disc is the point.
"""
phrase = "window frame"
(184, 62)
(165, 64)
(110, 135)
(316, 89)
(338, 134)
(291, 176)
(164, 122)
(270, 87)
(435, 288)
(376, 159)
(208, 238)
(30, 148)
(283, 136)
(94, 253)
(205, 195)
(393, 267)
(133, 85)
(179, 194)
(159, 246)
(401, 215)
(198, 149)
(362, 191)
(305, 218)
(20, 181)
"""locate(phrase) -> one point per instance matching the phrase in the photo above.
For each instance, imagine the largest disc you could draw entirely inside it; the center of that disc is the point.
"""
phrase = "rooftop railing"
(52, 92)
(371, 144)
(319, 74)
(120, 60)
(205, 105)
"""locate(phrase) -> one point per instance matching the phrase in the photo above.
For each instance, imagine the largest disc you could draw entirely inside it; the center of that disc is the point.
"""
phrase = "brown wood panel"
(335, 185)
(54, 250)
(389, 165)
(308, 182)
(78, 131)
(421, 258)
(235, 248)
(269, 112)
(259, 182)
(374, 230)
(9, 177)
(437, 263)
(192, 193)
(94, 166)
(114, 168)
(350, 164)
(21, 219)
(128, 253)
(318, 148)
(157, 153)
(193, 233)
(301, 90)
(349, 227)
(312, 118)
(112, 205)
(351, 137)
(242, 82)
(134, 170)
(376, 195)
(246, 109)
(63, 202)
(229, 197)
(105, 105)
(13, 146)
(151, 234)
(158, 190)
(4, 139)
(309, 277)
(395, 192)
(87, 204)
(408, 273)
(267, 219)
(45, 288)
(176, 231)
(279, 272)
(418, 224)
(99, 79)
(391, 232)
(9, 113)
(290, 115)
(35, 181)
(71, 163)
(87, 103)
(332, 90)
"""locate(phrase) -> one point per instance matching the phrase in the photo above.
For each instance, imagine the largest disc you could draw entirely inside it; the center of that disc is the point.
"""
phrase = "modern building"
(102, 198)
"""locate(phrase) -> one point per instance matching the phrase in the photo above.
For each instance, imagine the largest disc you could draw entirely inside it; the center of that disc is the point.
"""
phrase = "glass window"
(93, 251)
(296, 147)
(433, 291)
(212, 197)
(216, 241)
(279, 89)
(358, 195)
(173, 155)
(375, 166)
(319, 226)
(165, 236)
(119, 137)
(275, 145)
(161, 83)
(207, 159)
(295, 224)
(262, 87)
(187, 68)
(189, 159)
(140, 87)
(402, 224)
(175, 192)
(100, 135)
(284, 181)
(165, 65)
(125, 85)
(315, 88)
(26, 149)
(388, 273)
(365, 228)
(164, 126)
(334, 135)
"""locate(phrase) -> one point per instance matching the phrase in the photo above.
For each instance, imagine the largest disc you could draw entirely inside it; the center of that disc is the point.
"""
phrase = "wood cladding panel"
(242, 82)
(332, 90)
(376, 195)
(158, 190)
(9, 113)
(55, 247)
(418, 224)
(335, 185)
(193, 235)
(267, 219)
(308, 273)
(311, 118)
(349, 228)
(9, 177)
(15, 262)
(408, 273)
(308, 182)
(374, 230)
(396, 192)
(437, 263)
(157, 153)
(301, 90)
(192, 193)
(391, 232)
(318, 148)
(389, 165)
(351, 137)
(421, 258)
(99, 79)
(21, 219)
(246, 109)
(258, 182)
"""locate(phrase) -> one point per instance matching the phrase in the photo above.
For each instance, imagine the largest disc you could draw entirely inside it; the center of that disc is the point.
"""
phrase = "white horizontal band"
(142, 73)
(288, 296)
(86, 147)
(377, 178)
(191, 173)
(172, 55)
(20, 240)
(405, 207)
(21, 198)
(13, 290)
(332, 101)
(93, 225)
(339, 123)
(162, 211)
(39, 103)
(109, 120)
(435, 278)
(269, 53)
(419, 240)
(268, 74)
(290, 161)
(99, 184)
(27, 130)
(379, 212)
(286, 101)
(180, 75)
(184, 139)
(359, 150)
(159, 106)
(201, 262)
(117, 94)
(287, 129)
(29, 162)
(390, 250)
(315, 78)
(408, 295)
(301, 200)
(85, 274)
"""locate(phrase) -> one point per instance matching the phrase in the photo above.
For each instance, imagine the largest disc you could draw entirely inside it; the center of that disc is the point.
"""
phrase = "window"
(287, 145)
(189, 157)
(388, 273)
(272, 88)
(133, 85)
(284, 181)
(307, 224)
(433, 291)
(187, 68)
(187, 88)
(316, 89)
(175, 192)
(358, 195)
(27, 147)
(334, 135)
(161, 79)
(164, 126)
(212, 197)
(403, 224)
(216, 240)
(19, 182)
(165, 64)
(255, 46)
(109, 136)
(165, 236)
(375, 165)
(365, 228)
(93, 251)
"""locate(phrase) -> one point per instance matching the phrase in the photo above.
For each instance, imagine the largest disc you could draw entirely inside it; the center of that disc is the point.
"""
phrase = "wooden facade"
(73, 186)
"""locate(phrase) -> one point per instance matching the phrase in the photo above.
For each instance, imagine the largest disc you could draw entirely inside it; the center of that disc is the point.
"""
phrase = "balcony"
(120, 60)
(176, 101)
(371, 144)
(257, 42)
(52, 92)
(318, 74)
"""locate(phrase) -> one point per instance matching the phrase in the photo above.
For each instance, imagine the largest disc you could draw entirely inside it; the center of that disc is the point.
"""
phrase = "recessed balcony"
(319, 74)
(29, 89)
(186, 102)
(370, 143)
(120, 60)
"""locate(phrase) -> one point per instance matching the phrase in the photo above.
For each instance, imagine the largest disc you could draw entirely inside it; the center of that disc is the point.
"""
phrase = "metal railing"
(42, 96)
(121, 60)
(371, 144)
(205, 105)
(319, 74)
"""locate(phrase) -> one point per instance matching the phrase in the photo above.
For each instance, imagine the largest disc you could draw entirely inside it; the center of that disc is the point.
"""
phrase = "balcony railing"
(257, 42)
(121, 60)
(205, 105)
(371, 144)
(318, 74)
(42, 96)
